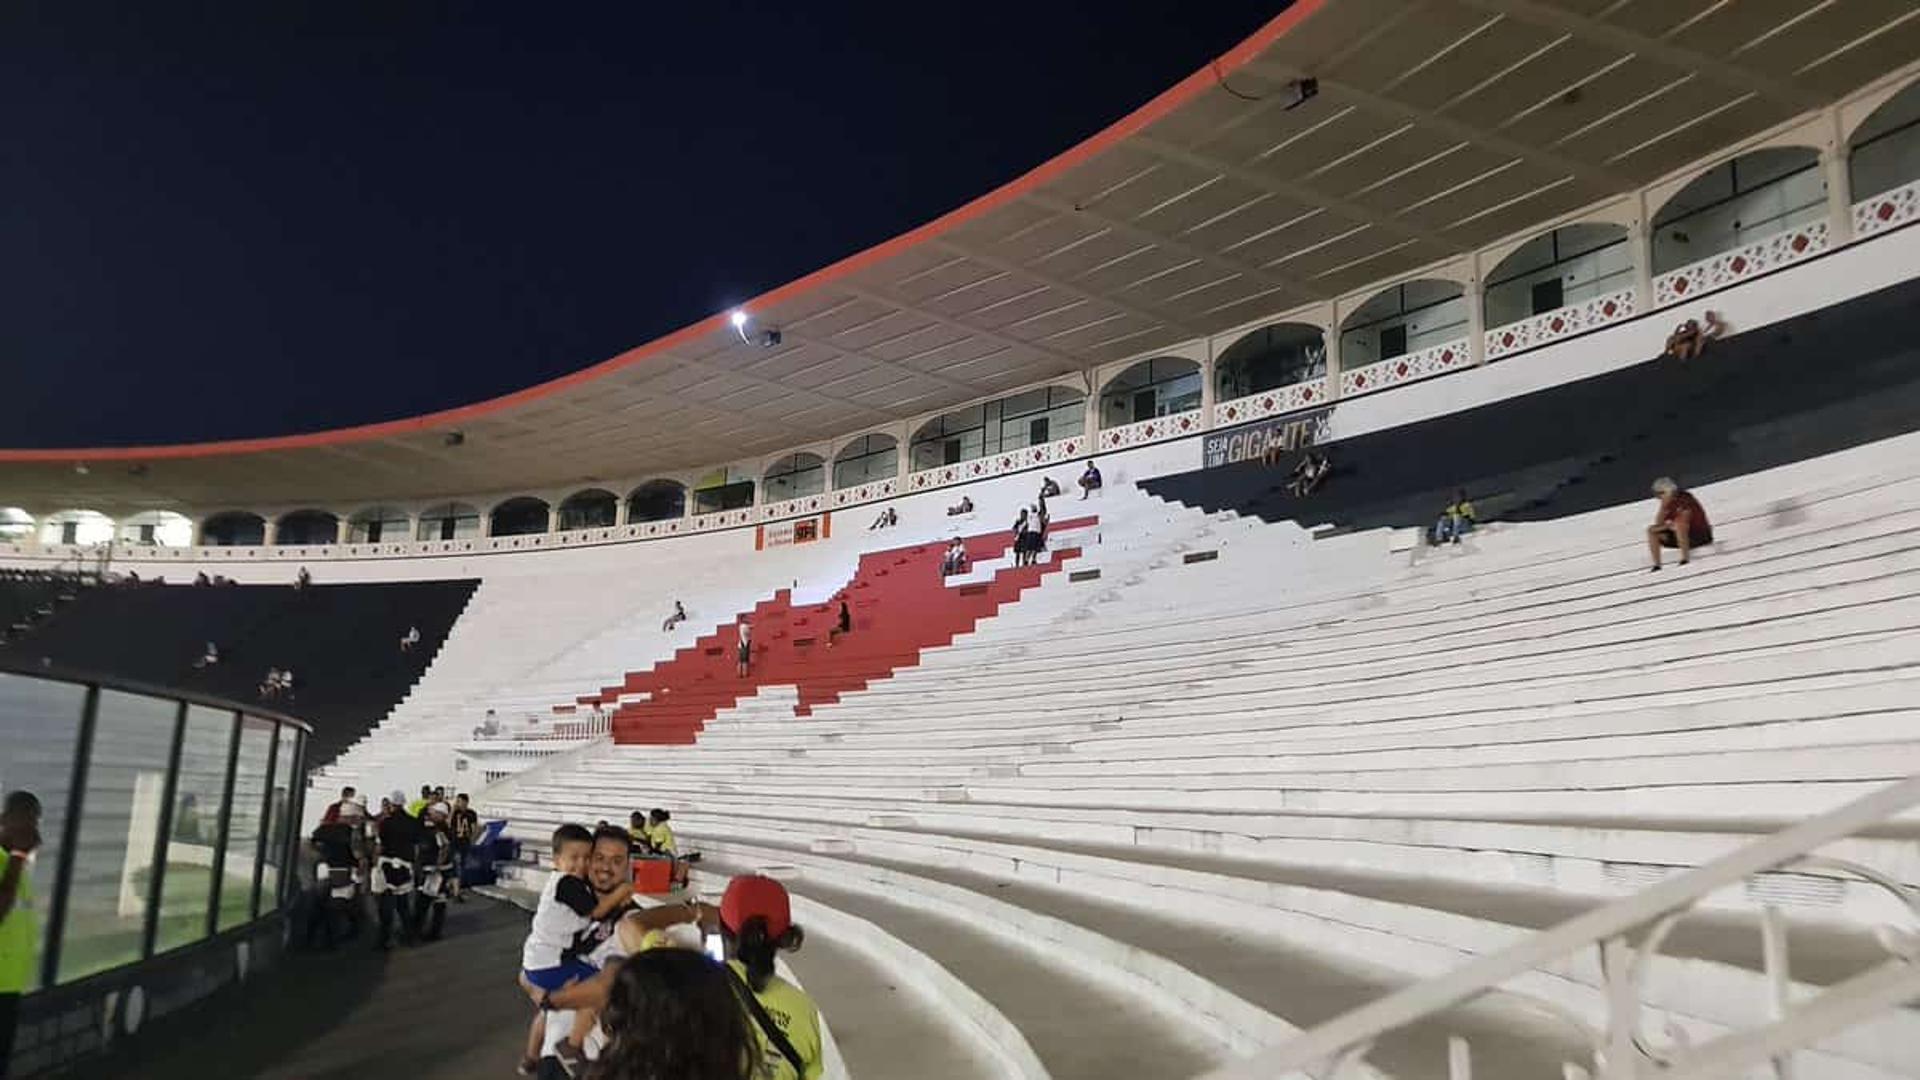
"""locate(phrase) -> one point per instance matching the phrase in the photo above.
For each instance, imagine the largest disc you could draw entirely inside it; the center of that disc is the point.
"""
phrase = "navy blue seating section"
(342, 643)
(1812, 385)
(27, 597)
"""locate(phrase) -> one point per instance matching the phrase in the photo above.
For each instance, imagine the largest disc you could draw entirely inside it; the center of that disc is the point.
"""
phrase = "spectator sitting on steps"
(409, 639)
(302, 579)
(1048, 489)
(1089, 480)
(1455, 521)
(679, 616)
(1309, 474)
(842, 623)
(209, 656)
(1680, 522)
(887, 520)
(1689, 339)
(744, 652)
(964, 506)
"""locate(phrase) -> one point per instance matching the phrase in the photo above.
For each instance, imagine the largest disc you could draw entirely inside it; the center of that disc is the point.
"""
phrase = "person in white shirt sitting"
(409, 639)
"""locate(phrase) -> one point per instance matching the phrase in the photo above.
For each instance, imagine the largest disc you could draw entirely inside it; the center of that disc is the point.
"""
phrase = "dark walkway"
(446, 1010)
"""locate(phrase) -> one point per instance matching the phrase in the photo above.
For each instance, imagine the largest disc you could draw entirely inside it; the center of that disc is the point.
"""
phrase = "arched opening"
(235, 528)
(376, 524)
(157, 528)
(1738, 202)
(1403, 319)
(16, 524)
(593, 508)
(1273, 356)
(1884, 151)
(657, 500)
(1162, 386)
(76, 527)
(449, 521)
(1570, 265)
(866, 459)
(303, 528)
(794, 477)
(522, 515)
(1029, 418)
(722, 489)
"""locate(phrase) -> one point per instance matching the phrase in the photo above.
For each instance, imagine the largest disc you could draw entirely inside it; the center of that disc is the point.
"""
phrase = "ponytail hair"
(755, 948)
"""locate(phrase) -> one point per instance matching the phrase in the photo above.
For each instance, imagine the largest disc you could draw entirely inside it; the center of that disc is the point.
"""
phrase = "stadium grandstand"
(1324, 720)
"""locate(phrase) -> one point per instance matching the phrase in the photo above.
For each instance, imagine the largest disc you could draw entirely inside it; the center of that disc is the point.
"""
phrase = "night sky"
(224, 220)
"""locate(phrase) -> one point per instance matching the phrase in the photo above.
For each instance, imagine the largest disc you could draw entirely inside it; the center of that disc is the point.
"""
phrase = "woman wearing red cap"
(756, 921)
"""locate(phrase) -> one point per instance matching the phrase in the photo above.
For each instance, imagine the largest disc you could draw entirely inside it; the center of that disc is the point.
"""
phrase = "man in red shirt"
(1681, 522)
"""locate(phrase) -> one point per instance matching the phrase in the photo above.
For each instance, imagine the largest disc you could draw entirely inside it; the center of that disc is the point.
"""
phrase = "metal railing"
(1628, 936)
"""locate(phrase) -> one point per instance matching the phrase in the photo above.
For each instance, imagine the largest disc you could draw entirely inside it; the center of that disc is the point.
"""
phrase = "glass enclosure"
(163, 821)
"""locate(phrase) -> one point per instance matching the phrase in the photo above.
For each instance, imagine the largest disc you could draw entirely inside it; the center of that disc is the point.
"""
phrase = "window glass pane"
(195, 828)
(41, 720)
(278, 816)
(243, 832)
(120, 815)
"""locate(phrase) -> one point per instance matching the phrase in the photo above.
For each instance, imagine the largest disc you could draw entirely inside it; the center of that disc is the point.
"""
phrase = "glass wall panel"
(243, 831)
(119, 822)
(279, 817)
(41, 722)
(195, 829)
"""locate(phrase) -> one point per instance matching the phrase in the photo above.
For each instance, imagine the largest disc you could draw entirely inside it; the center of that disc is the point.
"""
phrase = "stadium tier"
(1245, 768)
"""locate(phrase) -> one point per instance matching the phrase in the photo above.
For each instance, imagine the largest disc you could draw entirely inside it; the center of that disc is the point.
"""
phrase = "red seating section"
(900, 605)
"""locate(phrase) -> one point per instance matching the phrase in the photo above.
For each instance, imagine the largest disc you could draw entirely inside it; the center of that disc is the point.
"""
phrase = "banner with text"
(1283, 433)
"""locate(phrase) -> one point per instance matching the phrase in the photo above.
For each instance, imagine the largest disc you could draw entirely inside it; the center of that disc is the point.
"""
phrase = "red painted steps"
(900, 606)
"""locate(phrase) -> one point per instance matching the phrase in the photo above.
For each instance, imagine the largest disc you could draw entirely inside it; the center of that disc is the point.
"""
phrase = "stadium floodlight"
(739, 321)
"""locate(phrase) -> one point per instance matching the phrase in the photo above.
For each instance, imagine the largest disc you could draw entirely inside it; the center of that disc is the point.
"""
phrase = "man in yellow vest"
(19, 923)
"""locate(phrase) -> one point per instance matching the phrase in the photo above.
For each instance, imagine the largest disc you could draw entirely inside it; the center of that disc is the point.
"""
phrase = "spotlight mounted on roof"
(739, 320)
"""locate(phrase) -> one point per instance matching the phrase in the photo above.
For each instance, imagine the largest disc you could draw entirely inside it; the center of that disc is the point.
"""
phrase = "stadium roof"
(1439, 127)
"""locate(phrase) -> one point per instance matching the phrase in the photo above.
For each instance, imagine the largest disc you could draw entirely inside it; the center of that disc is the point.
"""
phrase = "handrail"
(1338, 1039)
(10, 665)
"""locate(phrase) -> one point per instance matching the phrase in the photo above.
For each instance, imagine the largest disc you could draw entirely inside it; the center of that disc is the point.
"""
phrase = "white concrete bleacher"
(1257, 790)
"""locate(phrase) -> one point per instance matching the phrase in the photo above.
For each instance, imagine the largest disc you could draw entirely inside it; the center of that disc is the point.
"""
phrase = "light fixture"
(1301, 91)
(739, 321)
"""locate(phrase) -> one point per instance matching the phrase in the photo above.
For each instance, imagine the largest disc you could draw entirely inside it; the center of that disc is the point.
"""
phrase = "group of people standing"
(408, 857)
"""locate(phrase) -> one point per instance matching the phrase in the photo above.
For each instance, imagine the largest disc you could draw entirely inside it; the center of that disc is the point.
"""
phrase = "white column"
(1207, 390)
(1640, 239)
(1476, 298)
(1092, 422)
(1333, 351)
(1834, 163)
(270, 532)
(903, 454)
(342, 530)
(619, 511)
(413, 529)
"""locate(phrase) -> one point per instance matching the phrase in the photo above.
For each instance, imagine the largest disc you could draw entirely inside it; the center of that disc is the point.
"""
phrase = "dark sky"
(222, 220)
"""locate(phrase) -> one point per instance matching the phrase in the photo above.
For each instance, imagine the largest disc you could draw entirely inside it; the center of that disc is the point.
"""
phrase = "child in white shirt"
(563, 927)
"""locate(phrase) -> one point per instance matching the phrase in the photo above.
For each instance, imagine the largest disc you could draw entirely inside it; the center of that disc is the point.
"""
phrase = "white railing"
(1887, 210)
(1280, 399)
(1432, 360)
(981, 468)
(1772, 252)
(1560, 323)
(1620, 1044)
(1158, 429)
(560, 730)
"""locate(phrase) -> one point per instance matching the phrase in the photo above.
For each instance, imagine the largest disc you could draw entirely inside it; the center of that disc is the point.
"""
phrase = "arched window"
(1030, 418)
(1754, 195)
(1884, 151)
(794, 476)
(449, 521)
(157, 528)
(306, 527)
(1403, 319)
(866, 459)
(522, 515)
(235, 528)
(589, 509)
(1162, 386)
(1570, 265)
(722, 489)
(377, 524)
(1272, 356)
(15, 523)
(76, 527)
(657, 500)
